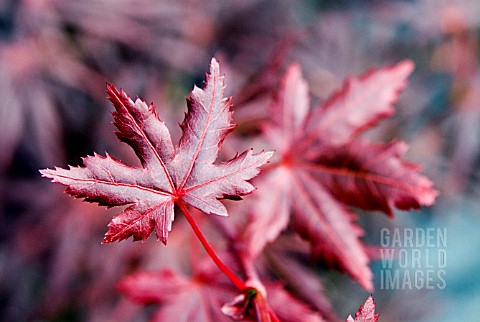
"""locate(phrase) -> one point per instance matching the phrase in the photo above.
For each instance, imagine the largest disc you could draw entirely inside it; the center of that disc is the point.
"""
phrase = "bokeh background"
(56, 55)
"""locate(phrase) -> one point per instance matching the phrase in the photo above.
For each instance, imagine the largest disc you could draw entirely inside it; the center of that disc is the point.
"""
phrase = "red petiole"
(221, 265)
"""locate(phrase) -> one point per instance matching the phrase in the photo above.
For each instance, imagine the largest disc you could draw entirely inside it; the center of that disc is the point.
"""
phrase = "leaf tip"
(106, 240)
(406, 66)
(366, 312)
(294, 71)
(269, 154)
(214, 70)
(49, 173)
(214, 65)
(111, 89)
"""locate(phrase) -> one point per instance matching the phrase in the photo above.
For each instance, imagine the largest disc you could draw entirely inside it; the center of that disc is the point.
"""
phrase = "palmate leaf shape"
(365, 313)
(184, 173)
(323, 168)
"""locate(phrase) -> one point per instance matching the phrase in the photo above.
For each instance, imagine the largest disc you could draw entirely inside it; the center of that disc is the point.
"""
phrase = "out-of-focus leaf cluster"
(55, 57)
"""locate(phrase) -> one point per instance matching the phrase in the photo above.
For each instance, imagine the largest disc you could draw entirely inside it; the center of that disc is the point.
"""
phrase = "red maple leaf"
(169, 174)
(200, 298)
(365, 313)
(323, 168)
(182, 299)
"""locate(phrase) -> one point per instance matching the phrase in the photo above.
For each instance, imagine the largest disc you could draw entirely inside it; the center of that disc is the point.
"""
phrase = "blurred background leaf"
(56, 55)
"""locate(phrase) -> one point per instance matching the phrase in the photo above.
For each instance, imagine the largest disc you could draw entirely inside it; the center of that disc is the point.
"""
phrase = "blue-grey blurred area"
(57, 55)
